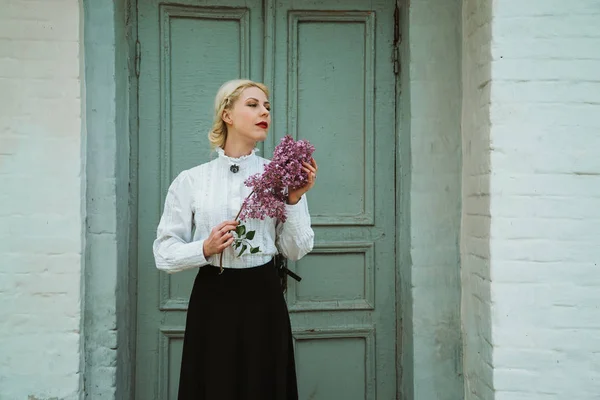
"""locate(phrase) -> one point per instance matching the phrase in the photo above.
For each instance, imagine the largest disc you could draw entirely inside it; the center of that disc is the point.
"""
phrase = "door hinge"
(138, 56)
(397, 40)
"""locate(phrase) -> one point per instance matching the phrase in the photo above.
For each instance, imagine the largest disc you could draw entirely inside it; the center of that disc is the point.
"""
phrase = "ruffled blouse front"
(204, 196)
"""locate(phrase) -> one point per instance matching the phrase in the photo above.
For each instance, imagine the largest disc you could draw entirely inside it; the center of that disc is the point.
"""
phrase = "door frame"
(110, 130)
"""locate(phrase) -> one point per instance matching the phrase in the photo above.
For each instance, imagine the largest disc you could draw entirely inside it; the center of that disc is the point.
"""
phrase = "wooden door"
(330, 71)
(334, 85)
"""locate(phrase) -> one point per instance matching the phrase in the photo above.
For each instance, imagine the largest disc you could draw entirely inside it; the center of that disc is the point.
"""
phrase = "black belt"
(281, 265)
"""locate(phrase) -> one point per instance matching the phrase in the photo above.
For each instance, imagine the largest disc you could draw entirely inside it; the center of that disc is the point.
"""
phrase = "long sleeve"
(173, 248)
(295, 237)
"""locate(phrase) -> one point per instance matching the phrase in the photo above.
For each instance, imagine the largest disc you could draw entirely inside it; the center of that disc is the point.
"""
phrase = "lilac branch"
(270, 188)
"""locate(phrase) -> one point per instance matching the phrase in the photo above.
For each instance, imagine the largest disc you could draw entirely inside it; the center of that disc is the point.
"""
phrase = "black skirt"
(238, 340)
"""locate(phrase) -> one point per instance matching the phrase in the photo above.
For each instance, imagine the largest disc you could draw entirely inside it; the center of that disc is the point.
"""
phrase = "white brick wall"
(476, 177)
(40, 200)
(531, 199)
(545, 199)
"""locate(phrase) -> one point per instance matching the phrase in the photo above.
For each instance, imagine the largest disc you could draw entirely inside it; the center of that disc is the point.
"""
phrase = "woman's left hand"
(311, 169)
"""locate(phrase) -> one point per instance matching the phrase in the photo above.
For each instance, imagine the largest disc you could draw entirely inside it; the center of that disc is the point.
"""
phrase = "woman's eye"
(255, 105)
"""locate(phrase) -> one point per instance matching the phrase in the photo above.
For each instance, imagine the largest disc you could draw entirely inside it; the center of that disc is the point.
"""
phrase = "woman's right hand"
(220, 238)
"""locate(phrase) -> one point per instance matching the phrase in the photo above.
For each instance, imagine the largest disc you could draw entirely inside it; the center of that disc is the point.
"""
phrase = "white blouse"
(204, 196)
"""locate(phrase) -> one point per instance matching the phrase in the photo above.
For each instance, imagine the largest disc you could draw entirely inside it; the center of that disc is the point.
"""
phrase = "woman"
(238, 342)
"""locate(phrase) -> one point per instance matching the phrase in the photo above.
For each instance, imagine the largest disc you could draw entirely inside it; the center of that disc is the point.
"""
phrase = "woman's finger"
(225, 227)
(229, 228)
(224, 223)
(310, 167)
(226, 244)
(221, 225)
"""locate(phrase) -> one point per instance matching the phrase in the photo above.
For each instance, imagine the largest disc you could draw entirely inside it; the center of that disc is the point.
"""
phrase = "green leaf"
(240, 230)
(250, 235)
(244, 247)
(237, 244)
(254, 250)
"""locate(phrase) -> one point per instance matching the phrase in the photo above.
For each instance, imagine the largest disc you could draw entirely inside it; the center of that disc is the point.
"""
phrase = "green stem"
(242, 207)
(235, 219)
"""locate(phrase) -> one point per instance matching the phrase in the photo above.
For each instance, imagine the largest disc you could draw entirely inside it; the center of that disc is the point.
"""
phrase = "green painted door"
(329, 66)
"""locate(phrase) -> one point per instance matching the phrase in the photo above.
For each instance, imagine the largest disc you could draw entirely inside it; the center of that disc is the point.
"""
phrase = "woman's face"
(249, 118)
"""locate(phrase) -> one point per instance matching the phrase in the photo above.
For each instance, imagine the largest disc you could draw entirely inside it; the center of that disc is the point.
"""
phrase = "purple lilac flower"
(282, 173)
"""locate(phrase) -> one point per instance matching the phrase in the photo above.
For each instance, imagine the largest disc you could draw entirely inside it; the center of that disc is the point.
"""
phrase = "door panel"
(188, 50)
(329, 68)
(330, 94)
(334, 85)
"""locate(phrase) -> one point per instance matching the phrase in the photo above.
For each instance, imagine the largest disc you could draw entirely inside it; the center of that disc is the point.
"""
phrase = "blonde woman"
(238, 342)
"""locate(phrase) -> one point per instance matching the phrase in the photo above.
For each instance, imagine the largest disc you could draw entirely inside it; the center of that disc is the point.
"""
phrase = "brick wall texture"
(531, 277)
(476, 217)
(545, 199)
(41, 199)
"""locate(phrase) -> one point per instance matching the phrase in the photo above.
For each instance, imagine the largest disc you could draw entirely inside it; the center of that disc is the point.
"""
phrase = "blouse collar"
(236, 160)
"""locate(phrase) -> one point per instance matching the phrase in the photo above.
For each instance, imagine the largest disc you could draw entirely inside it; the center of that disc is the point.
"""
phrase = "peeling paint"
(32, 397)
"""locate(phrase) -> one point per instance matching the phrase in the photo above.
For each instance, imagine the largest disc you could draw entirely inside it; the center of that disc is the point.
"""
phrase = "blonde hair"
(227, 94)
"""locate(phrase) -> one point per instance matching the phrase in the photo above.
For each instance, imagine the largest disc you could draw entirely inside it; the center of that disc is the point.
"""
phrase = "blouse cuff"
(296, 214)
(198, 259)
(297, 237)
(181, 257)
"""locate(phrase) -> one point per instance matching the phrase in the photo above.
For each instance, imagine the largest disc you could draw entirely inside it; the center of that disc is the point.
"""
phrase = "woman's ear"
(226, 117)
